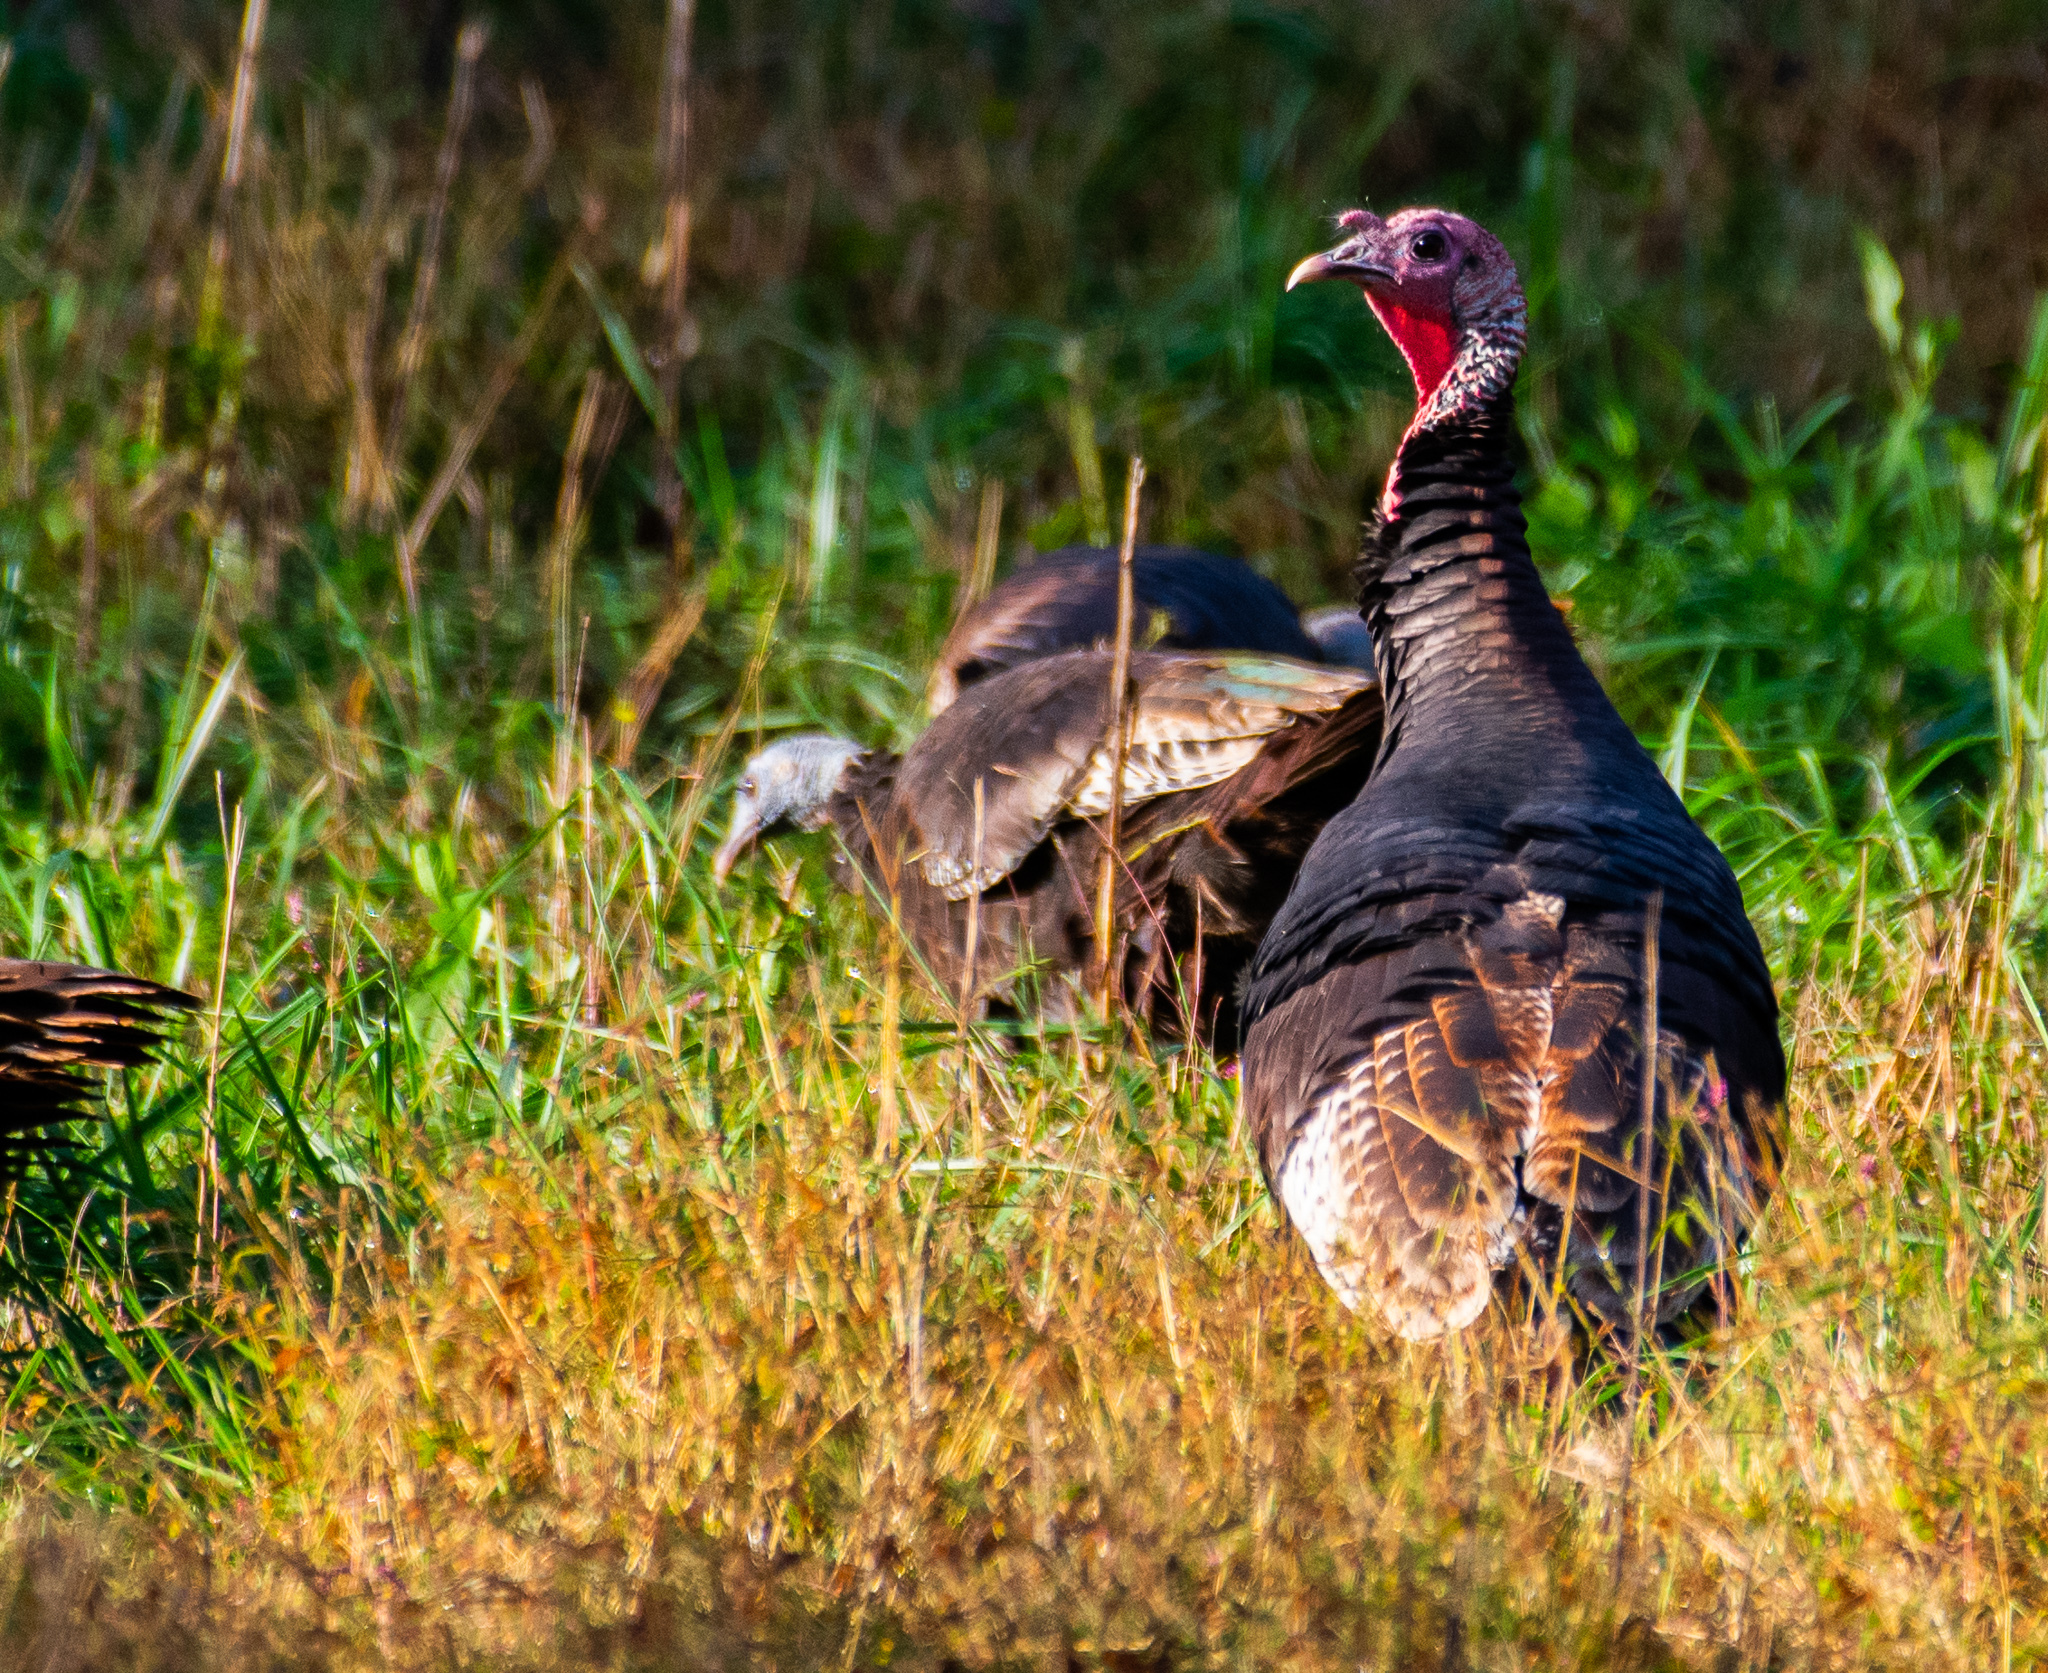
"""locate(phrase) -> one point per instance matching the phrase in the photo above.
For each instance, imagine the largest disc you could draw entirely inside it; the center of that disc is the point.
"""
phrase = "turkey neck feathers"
(869, 783)
(1503, 767)
(1464, 633)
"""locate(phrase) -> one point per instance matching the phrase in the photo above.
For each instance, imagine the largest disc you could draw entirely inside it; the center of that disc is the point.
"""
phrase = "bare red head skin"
(1446, 291)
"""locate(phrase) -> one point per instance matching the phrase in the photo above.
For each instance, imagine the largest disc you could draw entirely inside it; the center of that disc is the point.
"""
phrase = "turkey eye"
(1428, 246)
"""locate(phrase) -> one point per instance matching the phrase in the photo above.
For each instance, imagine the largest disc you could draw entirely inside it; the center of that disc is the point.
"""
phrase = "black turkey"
(1444, 1046)
(55, 1020)
(1186, 601)
(1235, 761)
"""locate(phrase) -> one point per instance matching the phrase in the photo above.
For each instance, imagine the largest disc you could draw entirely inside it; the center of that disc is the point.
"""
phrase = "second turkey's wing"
(972, 947)
(1036, 741)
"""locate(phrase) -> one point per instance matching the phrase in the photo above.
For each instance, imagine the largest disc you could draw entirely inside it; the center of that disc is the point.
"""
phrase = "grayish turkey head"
(788, 784)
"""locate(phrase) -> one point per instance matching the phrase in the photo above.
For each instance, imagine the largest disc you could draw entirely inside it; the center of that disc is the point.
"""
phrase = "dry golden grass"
(715, 1381)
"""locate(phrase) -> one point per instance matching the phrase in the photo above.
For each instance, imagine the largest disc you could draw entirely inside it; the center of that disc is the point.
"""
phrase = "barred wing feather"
(1197, 721)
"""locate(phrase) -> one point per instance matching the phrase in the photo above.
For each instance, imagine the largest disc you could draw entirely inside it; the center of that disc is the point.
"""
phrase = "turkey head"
(1446, 291)
(787, 786)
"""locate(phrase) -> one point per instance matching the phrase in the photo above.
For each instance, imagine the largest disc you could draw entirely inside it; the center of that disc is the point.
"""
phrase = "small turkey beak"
(1347, 261)
(1353, 259)
(746, 826)
(1318, 266)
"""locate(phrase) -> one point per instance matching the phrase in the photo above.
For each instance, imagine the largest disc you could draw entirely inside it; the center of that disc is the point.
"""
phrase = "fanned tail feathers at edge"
(56, 1021)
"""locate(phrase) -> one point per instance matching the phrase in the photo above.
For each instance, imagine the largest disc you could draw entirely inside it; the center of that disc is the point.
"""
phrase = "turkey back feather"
(1037, 741)
(1235, 763)
(1066, 600)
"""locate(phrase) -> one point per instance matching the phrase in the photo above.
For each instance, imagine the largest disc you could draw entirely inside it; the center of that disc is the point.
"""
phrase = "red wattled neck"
(1429, 346)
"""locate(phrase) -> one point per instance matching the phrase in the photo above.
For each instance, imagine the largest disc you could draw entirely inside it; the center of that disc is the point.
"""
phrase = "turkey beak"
(746, 826)
(1350, 260)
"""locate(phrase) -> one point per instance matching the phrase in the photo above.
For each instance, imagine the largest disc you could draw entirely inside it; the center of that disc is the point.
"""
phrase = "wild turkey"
(56, 1019)
(1234, 763)
(1186, 601)
(1443, 1026)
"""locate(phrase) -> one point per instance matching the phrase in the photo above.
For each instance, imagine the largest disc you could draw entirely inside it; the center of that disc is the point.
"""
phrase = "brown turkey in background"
(985, 838)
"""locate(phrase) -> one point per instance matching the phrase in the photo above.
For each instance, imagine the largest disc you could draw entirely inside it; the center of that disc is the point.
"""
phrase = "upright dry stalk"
(668, 262)
(988, 536)
(642, 689)
(209, 1170)
(965, 1014)
(888, 1103)
(568, 529)
(1653, 918)
(1119, 732)
(593, 910)
(412, 346)
(240, 102)
(974, 902)
(255, 13)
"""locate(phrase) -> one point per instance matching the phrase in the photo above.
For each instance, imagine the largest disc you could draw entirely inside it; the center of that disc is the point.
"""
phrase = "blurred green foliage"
(934, 242)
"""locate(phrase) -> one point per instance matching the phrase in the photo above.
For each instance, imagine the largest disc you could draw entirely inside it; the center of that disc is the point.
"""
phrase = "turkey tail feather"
(1503, 1109)
(59, 1019)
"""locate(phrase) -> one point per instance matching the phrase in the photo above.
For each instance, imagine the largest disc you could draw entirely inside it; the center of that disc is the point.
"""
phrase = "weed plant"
(534, 1256)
